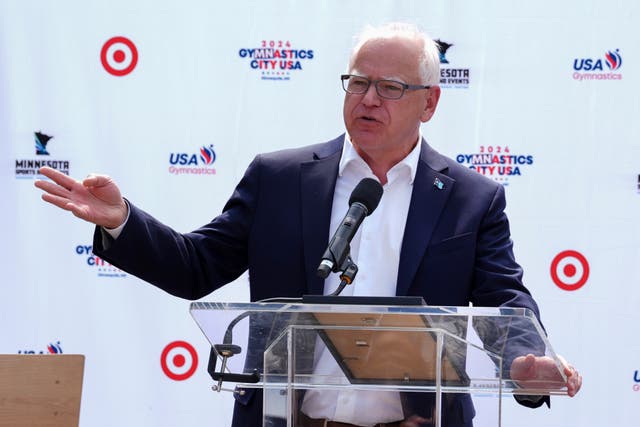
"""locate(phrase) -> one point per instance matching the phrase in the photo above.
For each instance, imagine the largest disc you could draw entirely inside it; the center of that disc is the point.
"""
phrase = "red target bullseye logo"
(179, 360)
(570, 270)
(119, 56)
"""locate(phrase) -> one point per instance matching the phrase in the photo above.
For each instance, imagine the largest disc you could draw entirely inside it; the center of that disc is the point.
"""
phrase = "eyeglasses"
(389, 89)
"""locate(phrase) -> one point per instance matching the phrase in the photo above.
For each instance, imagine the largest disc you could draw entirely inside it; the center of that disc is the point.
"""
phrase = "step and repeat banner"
(174, 99)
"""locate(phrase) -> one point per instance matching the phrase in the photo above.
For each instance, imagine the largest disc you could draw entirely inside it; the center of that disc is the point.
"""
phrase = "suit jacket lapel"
(318, 182)
(431, 190)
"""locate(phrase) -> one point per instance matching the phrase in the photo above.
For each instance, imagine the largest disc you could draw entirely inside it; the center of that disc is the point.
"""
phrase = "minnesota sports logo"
(27, 168)
(451, 76)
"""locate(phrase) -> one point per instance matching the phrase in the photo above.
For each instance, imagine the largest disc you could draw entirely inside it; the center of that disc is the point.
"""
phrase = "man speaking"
(439, 231)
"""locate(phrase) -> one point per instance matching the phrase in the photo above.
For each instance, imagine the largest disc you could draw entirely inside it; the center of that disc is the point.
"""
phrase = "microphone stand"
(227, 349)
(349, 270)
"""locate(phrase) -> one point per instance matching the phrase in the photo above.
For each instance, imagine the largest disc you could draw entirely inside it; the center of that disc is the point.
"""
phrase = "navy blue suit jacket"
(456, 247)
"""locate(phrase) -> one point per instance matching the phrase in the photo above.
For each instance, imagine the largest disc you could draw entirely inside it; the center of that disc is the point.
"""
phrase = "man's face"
(385, 130)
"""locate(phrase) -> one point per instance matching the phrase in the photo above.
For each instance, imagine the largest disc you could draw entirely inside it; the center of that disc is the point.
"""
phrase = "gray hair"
(429, 59)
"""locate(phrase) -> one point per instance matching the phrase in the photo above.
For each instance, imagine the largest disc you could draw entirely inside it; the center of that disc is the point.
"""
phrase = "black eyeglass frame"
(405, 86)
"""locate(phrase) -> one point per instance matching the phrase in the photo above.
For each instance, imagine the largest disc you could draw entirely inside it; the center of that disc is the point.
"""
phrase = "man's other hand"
(543, 370)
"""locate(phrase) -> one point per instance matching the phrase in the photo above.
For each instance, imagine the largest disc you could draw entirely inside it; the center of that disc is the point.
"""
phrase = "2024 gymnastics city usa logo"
(276, 59)
(100, 266)
(496, 162)
(603, 68)
(198, 163)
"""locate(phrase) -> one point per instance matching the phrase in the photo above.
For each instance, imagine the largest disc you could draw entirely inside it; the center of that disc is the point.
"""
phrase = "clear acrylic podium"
(436, 362)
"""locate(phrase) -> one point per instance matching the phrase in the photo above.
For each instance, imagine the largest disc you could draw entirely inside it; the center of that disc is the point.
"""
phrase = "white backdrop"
(539, 87)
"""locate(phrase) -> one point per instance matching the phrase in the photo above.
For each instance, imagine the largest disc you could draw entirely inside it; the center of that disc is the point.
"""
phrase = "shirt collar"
(351, 158)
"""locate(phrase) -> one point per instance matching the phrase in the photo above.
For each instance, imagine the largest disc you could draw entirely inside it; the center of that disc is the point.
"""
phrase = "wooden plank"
(40, 390)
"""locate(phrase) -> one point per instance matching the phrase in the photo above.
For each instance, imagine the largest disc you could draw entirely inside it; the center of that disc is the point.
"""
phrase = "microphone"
(363, 201)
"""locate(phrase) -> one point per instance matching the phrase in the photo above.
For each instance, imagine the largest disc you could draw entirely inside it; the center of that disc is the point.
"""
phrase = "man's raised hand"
(96, 199)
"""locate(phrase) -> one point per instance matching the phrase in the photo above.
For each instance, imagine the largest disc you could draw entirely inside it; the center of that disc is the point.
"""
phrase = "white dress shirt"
(375, 248)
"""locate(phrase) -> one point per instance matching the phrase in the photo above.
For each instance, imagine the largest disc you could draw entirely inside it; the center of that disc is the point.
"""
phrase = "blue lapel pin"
(438, 184)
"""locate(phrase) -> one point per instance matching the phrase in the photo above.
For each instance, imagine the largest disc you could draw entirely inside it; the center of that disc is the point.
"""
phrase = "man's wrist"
(115, 232)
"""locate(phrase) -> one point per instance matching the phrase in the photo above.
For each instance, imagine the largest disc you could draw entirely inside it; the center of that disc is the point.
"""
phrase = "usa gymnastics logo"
(179, 360)
(119, 56)
(451, 77)
(569, 270)
(276, 59)
(199, 163)
(496, 162)
(594, 68)
(28, 168)
(52, 348)
(100, 266)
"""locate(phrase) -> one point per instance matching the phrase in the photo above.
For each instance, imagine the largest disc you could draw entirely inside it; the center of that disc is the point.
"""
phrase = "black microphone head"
(368, 192)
